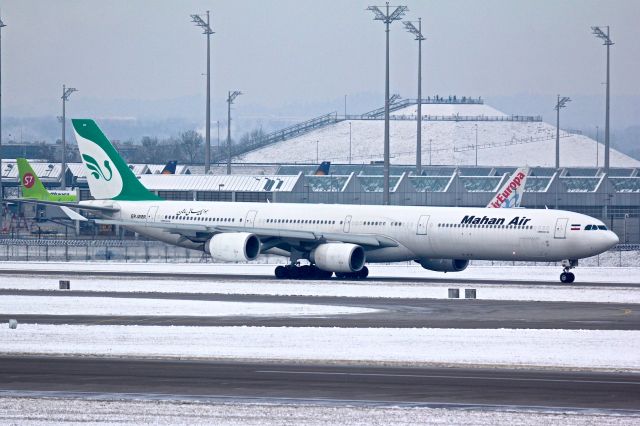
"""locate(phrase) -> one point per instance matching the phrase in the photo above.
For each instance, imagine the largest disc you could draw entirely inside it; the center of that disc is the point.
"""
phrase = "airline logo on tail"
(28, 180)
(95, 168)
(510, 195)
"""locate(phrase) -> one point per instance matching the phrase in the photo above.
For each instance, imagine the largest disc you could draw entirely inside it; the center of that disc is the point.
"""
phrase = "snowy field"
(257, 286)
(53, 411)
(566, 349)
(537, 142)
(108, 306)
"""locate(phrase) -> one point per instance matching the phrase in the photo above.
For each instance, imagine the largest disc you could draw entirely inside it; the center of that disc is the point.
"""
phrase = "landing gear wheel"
(567, 277)
(281, 272)
(363, 273)
(341, 275)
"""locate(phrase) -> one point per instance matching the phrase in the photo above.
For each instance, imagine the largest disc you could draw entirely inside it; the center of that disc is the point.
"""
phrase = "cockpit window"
(587, 228)
(602, 227)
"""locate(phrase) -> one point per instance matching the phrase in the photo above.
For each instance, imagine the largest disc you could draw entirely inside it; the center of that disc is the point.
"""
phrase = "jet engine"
(233, 247)
(338, 257)
(444, 265)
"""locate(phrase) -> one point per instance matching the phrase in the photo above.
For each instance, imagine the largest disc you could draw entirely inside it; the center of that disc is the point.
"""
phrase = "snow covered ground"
(33, 305)
(102, 410)
(371, 288)
(537, 147)
(575, 349)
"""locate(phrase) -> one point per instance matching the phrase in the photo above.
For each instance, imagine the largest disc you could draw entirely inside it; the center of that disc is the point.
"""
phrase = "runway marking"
(427, 376)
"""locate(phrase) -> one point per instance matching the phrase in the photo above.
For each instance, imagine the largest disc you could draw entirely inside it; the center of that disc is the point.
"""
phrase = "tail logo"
(95, 168)
(28, 180)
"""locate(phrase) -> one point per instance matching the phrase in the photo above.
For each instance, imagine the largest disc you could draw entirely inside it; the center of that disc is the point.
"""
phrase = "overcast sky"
(293, 51)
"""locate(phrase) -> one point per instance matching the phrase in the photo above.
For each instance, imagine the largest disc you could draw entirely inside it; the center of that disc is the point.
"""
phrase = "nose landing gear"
(566, 276)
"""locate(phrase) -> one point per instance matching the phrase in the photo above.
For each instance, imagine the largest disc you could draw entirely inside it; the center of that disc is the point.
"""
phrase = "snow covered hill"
(500, 143)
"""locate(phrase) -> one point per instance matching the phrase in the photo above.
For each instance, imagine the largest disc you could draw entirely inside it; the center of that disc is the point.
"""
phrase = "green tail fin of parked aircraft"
(108, 176)
(33, 188)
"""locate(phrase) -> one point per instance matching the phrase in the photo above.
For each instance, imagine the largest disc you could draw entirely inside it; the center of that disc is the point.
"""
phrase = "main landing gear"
(302, 272)
(312, 272)
(566, 276)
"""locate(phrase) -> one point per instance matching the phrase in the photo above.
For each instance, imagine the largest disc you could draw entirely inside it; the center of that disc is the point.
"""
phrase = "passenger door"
(347, 224)
(151, 214)
(250, 219)
(422, 225)
(561, 228)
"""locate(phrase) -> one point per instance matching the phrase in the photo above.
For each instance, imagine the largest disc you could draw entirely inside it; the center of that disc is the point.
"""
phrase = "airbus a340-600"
(334, 238)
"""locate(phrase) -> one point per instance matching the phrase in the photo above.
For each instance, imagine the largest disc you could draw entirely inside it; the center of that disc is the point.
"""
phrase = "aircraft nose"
(612, 239)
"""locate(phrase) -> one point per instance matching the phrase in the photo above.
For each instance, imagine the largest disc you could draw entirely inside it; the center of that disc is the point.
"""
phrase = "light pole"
(232, 96)
(607, 42)
(317, 156)
(66, 92)
(476, 145)
(418, 33)
(349, 142)
(387, 18)
(562, 102)
(218, 124)
(430, 151)
(207, 147)
(597, 146)
(2, 24)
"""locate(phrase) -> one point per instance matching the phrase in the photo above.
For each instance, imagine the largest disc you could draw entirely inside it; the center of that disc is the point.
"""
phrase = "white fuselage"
(420, 232)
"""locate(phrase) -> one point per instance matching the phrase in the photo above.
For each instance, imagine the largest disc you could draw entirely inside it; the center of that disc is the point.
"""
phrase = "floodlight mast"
(2, 24)
(232, 96)
(207, 147)
(66, 92)
(562, 103)
(597, 31)
(418, 33)
(387, 18)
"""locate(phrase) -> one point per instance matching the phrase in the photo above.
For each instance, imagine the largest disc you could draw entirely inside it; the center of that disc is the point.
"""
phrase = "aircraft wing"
(269, 237)
(104, 209)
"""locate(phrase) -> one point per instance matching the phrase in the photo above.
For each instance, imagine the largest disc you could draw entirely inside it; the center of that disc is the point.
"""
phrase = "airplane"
(333, 238)
(32, 187)
(510, 194)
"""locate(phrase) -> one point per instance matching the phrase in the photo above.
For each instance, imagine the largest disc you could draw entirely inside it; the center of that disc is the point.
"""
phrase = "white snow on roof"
(501, 143)
(219, 183)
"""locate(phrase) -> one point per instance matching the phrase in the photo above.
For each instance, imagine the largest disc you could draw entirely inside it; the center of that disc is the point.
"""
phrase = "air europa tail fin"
(510, 194)
(30, 182)
(107, 173)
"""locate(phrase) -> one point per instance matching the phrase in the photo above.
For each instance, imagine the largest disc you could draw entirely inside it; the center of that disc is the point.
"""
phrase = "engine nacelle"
(233, 247)
(338, 257)
(444, 265)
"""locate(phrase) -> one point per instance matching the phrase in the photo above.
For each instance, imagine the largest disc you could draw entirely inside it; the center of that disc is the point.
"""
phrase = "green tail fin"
(30, 183)
(107, 173)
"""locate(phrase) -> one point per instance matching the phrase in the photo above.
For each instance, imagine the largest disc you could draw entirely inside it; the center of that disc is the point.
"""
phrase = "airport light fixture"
(207, 147)
(598, 32)
(232, 96)
(562, 102)
(387, 17)
(2, 24)
(417, 32)
(66, 92)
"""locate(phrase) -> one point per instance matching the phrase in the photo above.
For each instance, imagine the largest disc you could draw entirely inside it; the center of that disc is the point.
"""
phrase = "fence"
(135, 251)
